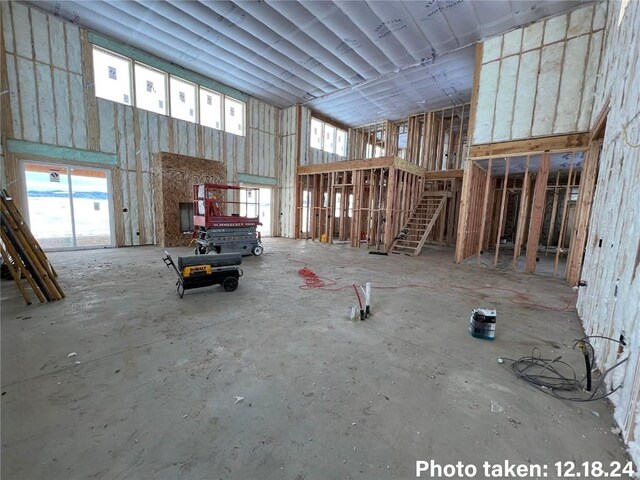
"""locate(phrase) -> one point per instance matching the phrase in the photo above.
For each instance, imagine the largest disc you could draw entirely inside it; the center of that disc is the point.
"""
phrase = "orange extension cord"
(313, 281)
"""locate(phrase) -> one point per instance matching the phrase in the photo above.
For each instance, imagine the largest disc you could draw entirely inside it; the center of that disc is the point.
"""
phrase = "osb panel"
(175, 177)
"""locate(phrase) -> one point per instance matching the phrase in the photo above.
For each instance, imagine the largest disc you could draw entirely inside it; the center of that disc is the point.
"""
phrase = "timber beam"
(556, 143)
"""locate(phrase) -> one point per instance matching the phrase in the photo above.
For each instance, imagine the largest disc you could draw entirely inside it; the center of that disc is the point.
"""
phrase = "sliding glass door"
(69, 207)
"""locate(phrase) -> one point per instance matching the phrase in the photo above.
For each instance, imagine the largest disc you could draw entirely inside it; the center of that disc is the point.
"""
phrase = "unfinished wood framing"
(368, 202)
(512, 212)
(537, 213)
(585, 200)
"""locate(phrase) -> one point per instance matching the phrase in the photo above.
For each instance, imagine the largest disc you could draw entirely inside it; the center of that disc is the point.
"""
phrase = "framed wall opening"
(68, 207)
(526, 212)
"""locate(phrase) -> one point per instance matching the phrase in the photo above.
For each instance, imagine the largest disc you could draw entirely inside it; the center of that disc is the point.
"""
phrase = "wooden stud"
(554, 211)
(583, 212)
(502, 205)
(484, 211)
(474, 92)
(567, 196)
(537, 213)
(522, 216)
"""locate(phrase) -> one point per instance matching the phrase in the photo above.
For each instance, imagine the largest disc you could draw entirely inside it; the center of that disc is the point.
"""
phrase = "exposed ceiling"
(355, 61)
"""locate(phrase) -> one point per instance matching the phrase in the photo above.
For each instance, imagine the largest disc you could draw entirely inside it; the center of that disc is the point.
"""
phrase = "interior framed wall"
(527, 212)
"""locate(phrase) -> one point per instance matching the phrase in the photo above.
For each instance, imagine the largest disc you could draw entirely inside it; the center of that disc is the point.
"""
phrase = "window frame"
(130, 61)
(200, 109)
(167, 95)
(168, 90)
(336, 130)
(196, 100)
(244, 115)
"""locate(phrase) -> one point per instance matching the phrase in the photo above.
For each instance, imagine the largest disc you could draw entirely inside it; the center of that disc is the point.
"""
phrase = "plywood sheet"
(177, 175)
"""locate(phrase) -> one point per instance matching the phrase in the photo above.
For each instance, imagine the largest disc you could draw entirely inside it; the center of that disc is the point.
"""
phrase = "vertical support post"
(388, 221)
(537, 213)
(467, 181)
(296, 191)
(554, 212)
(522, 215)
(565, 206)
(502, 202)
(585, 200)
(487, 183)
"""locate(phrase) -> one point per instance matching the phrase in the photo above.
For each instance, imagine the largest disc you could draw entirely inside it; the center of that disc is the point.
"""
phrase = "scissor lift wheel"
(257, 250)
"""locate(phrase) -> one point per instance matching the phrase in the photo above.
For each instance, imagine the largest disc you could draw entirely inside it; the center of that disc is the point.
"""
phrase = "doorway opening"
(68, 207)
(265, 208)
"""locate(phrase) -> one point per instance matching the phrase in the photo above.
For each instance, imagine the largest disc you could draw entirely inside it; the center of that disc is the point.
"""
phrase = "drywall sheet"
(609, 304)
(555, 63)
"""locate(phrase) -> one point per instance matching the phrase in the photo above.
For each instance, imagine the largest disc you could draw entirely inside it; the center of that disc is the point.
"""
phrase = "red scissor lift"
(226, 218)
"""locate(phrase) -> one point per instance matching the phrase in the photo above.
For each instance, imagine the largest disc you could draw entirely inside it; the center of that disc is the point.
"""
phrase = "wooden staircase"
(412, 236)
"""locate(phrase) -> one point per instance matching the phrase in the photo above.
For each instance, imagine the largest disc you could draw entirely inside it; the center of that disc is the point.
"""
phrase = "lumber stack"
(24, 257)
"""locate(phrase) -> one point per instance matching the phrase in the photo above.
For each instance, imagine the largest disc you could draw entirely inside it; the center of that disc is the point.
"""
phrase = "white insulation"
(50, 97)
(305, 51)
(610, 303)
(540, 80)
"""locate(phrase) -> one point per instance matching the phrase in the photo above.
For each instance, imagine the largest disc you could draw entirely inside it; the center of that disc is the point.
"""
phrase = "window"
(210, 109)
(183, 99)
(341, 143)
(159, 92)
(233, 116)
(151, 89)
(350, 205)
(112, 76)
(337, 206)
(316, 133)
(325, 136)
(329, 138)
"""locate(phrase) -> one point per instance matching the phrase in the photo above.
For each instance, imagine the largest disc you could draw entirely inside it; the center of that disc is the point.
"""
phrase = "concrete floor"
(154, 392)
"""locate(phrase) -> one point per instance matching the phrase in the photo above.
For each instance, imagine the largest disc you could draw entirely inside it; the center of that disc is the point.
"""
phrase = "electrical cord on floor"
(313, 281)
(545, 375)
